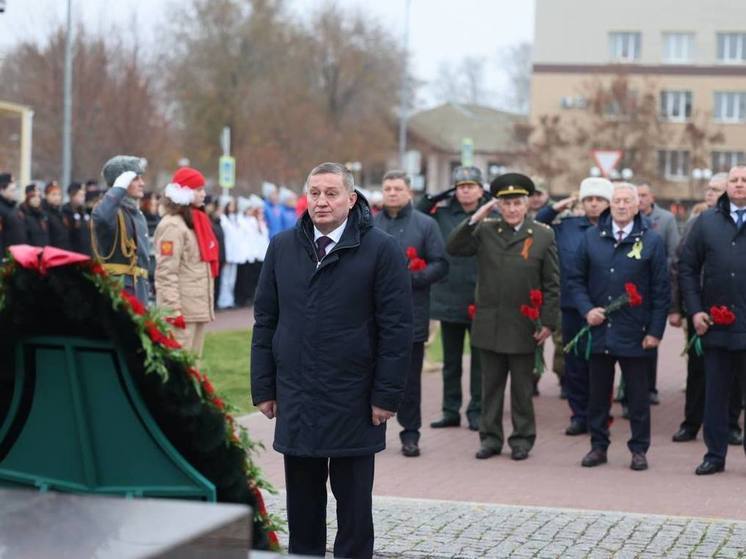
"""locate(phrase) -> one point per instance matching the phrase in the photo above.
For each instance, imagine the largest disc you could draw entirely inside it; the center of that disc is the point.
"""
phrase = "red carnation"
(194, 373)
(635, 299)
(159, 337)
(411, 253)
(177, 321)
(530, 312)
(208, 387)
(417, 264)
(218, 403)
(97, 269)
(471, 311)
(133, 302)
(722, 316)
(537, 298)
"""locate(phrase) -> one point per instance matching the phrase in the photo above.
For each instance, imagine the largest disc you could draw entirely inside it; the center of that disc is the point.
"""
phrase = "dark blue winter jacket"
(712, 271)
(602, 268)
(332, 338)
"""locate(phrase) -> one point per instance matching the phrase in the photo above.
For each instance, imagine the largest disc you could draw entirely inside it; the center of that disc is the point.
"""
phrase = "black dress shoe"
(706, 468)
(519, 454)
(639, 462)
(683, 435)
(654, 399)
(735, 438)
(474, 424)
(486, 452)
(594, 458)
(410, 450)
(445, 422)
(576, 428)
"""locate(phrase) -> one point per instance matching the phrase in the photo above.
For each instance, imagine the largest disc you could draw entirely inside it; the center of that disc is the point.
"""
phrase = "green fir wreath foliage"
(82, 300)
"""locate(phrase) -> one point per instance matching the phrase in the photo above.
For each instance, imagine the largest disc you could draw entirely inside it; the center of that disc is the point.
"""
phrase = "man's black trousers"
(635, 375)
(721, 366)
(410, 413)
(351, 480)
(694, 406)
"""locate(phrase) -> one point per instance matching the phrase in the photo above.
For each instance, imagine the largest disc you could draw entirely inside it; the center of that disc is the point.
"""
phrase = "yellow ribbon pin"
(636, 251)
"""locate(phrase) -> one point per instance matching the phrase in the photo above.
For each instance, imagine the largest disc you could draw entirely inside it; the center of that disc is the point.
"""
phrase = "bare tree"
(515, 62)
(462, 82)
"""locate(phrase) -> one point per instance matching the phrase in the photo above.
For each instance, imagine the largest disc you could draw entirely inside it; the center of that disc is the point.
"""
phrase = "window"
(731, 48)
(722, 161)
(676, 105)
(678, 47)
(624, 47)
(673, 164)
(730, 106)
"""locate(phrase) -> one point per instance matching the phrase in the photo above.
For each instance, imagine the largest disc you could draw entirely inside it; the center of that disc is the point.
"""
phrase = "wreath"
(51, 292)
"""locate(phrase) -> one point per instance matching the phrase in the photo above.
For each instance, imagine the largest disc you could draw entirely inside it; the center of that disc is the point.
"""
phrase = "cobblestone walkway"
(410, 528)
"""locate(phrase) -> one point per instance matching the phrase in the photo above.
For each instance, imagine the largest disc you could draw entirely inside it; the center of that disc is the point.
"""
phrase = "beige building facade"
(690, 54)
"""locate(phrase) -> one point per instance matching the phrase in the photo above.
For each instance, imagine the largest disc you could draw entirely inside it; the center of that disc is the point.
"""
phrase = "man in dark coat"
(595, 195)
(36, 220)
(621, 249)
(712, 270)
(12, 225)
(120, 239)
(694, 402)
(77, 220)
(59, 235)
(514, 254)
(418, 237)
(451, 297)
(330, 356)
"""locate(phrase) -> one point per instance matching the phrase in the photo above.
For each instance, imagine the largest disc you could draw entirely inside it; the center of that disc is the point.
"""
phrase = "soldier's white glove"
(124, 180)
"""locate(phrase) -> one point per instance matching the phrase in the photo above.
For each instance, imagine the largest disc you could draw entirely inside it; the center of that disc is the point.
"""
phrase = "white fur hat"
(596, 186)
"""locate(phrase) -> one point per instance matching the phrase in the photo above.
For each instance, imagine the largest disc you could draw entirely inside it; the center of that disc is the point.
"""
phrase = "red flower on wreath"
(218, 403)
(529, 312)
(635, 299)
(97, 269)
(722, 315)
(208, 387)
(133, 303)
(159, 337)
(177, 321)
(471, 311)
(194, 373)
(537, 298)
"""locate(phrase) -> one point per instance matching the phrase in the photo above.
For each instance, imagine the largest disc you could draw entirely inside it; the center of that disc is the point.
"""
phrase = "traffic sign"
(467, 152)
(227, 172)
(607, 159)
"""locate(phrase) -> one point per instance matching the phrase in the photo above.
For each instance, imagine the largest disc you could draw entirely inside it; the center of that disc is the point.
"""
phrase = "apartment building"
(690, 53)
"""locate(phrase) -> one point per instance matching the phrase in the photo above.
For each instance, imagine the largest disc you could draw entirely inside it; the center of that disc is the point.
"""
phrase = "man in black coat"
(712, 270)
(36, 220)
(12, 225)
(77, 220)
(59, 234)
(419, 238)
(329, 359)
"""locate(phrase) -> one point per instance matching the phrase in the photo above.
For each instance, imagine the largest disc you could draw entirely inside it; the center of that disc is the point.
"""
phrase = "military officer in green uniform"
(514, 255)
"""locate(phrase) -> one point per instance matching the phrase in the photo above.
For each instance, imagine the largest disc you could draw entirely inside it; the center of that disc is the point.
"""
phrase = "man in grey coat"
(120, 232)
(420, 240)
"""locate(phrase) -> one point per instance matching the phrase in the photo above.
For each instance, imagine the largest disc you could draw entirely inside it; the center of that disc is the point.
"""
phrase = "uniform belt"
(125, 270)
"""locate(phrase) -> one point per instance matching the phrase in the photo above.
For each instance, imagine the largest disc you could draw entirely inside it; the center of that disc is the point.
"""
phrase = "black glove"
(442, 196)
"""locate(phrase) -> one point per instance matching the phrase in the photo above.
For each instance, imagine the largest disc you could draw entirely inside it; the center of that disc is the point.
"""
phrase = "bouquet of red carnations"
(720, 316)
(532, 312)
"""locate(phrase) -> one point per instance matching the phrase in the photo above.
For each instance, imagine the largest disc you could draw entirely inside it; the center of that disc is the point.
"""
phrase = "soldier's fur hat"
(120, 164)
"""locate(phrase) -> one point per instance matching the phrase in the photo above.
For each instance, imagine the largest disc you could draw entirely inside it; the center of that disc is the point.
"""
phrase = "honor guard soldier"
(514, 254)
(120, 233)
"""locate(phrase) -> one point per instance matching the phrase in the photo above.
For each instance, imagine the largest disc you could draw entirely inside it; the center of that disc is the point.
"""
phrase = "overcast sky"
(440, 30)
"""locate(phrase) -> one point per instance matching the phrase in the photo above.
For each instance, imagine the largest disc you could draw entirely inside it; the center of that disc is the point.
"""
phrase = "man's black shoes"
(639, 462)
(576, 428)
(654, 399)
(706, 468)
(474, 424)
(595, 457)
(519, 454)
(486, 452)
(683, 435)
(445, 422)
(410, 450)
(735, 437)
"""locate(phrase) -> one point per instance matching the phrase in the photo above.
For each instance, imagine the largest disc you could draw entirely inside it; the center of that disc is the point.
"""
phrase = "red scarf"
(208, 244)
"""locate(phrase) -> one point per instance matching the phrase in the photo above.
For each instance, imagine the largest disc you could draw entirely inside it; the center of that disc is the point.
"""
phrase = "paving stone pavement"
(420, 528)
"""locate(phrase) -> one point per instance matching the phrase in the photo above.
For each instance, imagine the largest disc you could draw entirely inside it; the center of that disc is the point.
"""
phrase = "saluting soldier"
(120, 239)
(514, 255)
